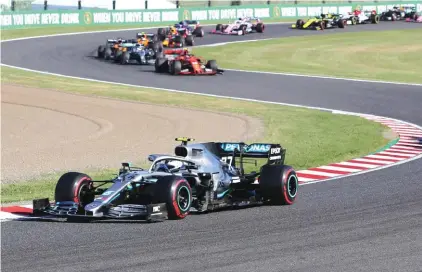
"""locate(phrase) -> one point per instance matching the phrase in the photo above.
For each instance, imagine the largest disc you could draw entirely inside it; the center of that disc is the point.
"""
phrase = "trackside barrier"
(26, 19)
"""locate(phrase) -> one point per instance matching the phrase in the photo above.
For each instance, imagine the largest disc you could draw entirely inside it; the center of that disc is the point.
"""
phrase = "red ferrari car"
(182, 62)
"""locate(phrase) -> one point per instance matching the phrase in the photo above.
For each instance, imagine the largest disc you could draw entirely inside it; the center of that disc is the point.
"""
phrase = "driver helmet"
(175, 164)
(161, 167)
(185, 51)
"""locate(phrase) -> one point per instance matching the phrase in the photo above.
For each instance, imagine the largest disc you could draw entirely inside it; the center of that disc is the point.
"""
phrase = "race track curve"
(370, 222)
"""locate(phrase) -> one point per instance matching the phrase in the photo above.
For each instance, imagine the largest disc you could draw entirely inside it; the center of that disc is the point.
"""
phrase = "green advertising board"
(26, 19)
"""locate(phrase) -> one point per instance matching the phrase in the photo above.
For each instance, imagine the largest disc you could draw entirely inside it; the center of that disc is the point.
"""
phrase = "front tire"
(125, 58)
(212, 64)
(199, 32)
(76, 187)
(278, 184)
(107, 53)
(176, 67)
(176, 193)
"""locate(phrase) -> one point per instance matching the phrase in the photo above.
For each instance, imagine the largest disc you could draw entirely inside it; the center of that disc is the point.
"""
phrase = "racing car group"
(199, 177)
(148, 48)
(325, 21)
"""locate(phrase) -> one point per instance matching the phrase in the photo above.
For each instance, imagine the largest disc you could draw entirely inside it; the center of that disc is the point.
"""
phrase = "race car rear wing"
(275, 153)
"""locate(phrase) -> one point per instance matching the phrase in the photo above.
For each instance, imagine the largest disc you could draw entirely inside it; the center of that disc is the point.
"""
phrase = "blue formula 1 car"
(192, 26)
(199, 177)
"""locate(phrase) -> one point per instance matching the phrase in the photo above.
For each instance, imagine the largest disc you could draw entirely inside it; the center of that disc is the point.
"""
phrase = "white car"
(361, 17)
(241, 26)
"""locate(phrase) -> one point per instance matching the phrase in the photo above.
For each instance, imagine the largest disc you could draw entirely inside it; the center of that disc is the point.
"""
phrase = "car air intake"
(181, 151)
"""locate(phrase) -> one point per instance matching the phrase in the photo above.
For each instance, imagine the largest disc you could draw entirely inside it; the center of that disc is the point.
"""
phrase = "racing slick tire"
(212, 64)
(278, 184)
(157, 48)
(189, 40)
(100, 51)
(161, 65)
(176, 192)
(260, 27)
(375, 19)
(353, 20)
(300, 23)
(243, 28)
(178, 40)
(219, 27)
(161, 33)
(176, 67)
(76, 187)
(107, 53)
(199, 32)
(125, 58)
(118, 56)
(341, 23)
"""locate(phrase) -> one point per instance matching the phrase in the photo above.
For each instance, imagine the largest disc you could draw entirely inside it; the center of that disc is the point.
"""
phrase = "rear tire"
(341, 23)
(278, 184)
(260, 27)
(176, 193)
(375, 19)
(100, 52)
(76, 187)
(161, 65)
(219, 27)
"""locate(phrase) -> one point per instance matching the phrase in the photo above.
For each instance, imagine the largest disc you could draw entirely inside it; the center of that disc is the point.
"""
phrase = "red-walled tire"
(76, 187)
(176, 193)
(278, 184)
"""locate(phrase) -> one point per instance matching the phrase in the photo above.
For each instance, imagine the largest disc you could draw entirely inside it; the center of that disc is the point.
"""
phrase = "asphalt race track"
(370, 222)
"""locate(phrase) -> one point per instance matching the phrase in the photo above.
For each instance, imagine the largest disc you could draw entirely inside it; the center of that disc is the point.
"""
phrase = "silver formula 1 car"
(199, 177)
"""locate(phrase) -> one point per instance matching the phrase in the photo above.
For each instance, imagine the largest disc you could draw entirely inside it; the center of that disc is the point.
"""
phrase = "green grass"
(361, 55)
(311, 137)
(7, 34)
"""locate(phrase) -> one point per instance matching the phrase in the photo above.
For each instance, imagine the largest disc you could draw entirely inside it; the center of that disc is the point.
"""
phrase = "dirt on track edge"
(47, 131)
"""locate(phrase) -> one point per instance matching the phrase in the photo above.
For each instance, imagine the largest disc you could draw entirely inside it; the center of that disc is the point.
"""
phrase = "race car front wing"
(233, 32)
(70, 209)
